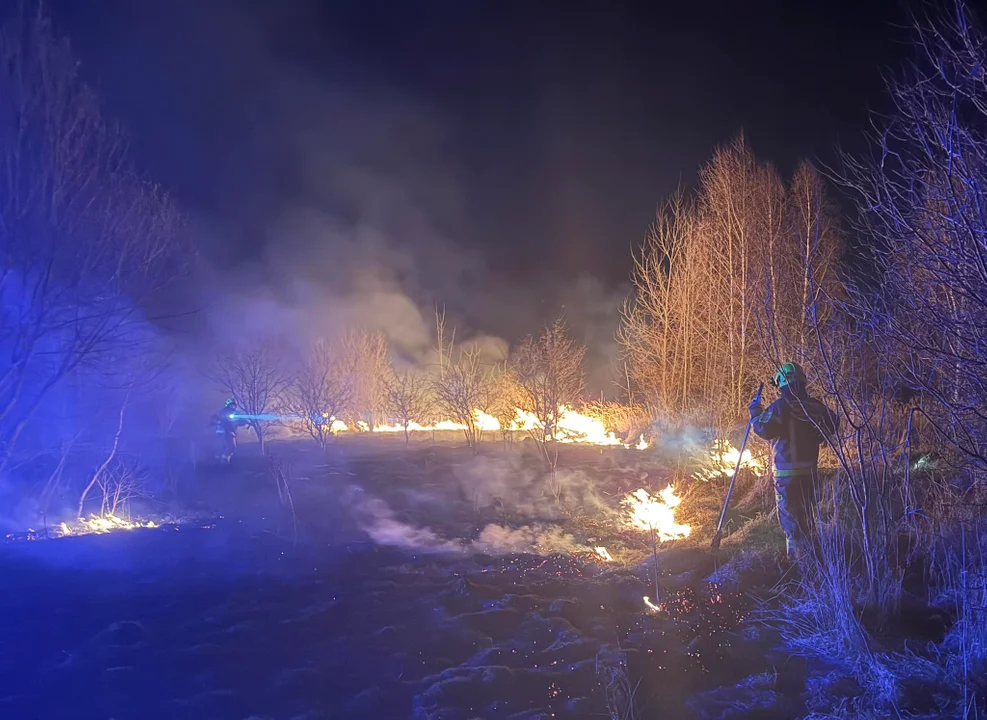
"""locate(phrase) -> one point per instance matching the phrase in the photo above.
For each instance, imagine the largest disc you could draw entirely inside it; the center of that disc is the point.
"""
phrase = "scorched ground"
(422, 583)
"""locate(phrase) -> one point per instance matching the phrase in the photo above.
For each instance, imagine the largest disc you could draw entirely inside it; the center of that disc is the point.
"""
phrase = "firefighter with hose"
(796, 425)
(226, 424)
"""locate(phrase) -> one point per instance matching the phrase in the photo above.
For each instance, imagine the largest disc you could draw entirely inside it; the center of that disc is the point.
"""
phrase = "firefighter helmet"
(789, 375)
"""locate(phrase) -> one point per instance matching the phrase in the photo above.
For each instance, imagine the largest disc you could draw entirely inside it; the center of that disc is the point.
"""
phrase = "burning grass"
(656, 513)
(723, 459)
(93, 525)
(101, 524)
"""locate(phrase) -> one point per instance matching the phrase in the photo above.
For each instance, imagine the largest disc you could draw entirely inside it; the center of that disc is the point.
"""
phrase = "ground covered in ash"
(425, 583)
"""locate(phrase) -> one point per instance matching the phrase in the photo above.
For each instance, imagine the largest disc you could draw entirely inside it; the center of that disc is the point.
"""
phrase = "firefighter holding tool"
(796, 425)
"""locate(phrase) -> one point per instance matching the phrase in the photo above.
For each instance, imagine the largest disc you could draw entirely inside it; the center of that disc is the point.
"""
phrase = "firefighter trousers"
(796, 495)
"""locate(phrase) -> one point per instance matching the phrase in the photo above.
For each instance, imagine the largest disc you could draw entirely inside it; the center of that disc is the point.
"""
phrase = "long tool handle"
(736, 472)
(733, 480)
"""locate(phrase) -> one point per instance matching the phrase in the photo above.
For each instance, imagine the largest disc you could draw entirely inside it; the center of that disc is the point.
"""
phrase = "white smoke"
(539, 539)
(376, 518)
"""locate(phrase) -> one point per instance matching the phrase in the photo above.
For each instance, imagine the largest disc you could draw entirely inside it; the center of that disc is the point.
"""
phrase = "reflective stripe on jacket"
(783, 469)
(796, 427)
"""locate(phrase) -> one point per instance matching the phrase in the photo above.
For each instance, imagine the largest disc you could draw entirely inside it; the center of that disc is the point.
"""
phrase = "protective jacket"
(796, 426)
(225, 422)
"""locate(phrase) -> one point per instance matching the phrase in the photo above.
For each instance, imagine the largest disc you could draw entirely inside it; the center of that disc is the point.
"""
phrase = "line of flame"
(102, 524)
(573, 427)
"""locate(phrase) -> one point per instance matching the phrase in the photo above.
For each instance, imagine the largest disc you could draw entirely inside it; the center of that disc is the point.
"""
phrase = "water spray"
(270, 417)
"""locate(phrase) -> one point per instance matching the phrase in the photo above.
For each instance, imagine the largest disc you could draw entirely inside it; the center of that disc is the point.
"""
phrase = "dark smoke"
(331, 196)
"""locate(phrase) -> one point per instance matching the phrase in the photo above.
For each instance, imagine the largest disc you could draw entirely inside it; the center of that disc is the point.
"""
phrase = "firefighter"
(796, 425)
(226, 424)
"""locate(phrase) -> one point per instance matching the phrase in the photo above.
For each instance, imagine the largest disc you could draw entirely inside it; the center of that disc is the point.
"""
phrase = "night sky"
(488, 145)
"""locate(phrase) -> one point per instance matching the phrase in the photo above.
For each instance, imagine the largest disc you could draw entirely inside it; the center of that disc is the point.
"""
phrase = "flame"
(656, 513)
(572, 427)
(486, 422)
(578, 428)
(335, 425)
(525, 420)
(103, 524)
(412, 427)
(651, 606)
(603, 553)
(724, 459)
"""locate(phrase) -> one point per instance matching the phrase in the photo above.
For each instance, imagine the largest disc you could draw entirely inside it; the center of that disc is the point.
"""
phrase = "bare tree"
(443, 350)
(736, 191)
(923, 196)
(98, 478)
(256, 379)
(463, 384)
(371, 364)
(812, 257)
(462, 389)
(506, 397)
(323, 390)
(718, 278)
(656, 329)
(549, 371)
(86, 243)
(409, 397)
(119, 484)
(689, 335)
(118, 479)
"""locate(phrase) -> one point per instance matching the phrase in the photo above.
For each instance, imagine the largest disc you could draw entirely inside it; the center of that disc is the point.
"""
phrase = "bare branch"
(255, 377)
(323, 390)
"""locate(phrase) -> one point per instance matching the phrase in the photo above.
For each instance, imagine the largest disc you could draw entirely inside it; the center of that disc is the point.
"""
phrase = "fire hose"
(718, 535)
